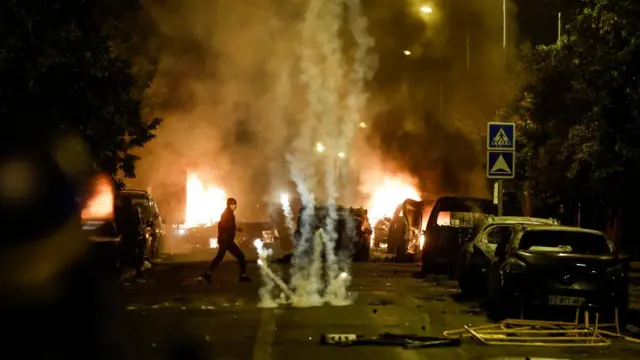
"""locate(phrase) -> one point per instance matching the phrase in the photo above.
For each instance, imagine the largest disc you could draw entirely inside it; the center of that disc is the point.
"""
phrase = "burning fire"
(204, 204)
(388, 195)
(100, 203)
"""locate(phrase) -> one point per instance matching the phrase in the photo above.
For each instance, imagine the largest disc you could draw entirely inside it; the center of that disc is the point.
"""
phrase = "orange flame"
(388, 195)
(101, 201)
(205, 204)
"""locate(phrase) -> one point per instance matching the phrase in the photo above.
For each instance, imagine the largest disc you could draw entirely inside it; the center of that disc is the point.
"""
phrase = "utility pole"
(504, 26)
(559, 27)
(468, 59)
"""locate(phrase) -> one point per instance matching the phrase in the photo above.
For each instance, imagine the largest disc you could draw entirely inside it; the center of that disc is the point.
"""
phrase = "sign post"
(501, 157)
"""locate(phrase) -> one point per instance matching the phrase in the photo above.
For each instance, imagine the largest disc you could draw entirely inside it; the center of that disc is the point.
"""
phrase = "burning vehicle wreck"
(405, 234)
(351, 226)
(453, 222)
(557, 267)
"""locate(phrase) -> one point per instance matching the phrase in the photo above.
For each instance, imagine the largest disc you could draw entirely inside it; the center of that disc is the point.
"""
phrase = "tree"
(579, 114)
(61, 74)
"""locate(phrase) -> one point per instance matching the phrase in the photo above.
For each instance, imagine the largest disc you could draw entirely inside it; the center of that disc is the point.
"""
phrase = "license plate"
(565, 301)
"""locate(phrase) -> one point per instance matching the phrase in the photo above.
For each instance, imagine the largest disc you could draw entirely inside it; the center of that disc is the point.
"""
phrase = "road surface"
(222, 321)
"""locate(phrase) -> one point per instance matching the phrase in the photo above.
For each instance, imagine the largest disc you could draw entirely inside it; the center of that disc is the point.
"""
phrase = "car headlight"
(182, 232)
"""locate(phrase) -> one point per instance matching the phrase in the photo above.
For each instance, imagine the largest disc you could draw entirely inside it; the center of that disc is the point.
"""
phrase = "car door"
(501, 236)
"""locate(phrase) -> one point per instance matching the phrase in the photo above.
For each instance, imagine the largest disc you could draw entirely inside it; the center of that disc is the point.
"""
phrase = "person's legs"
(222, 250)
(235, 250)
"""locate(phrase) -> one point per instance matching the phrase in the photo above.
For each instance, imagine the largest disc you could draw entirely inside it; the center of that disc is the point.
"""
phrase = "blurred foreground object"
(52, 299)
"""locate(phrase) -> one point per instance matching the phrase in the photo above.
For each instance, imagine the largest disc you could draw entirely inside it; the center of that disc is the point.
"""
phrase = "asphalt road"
(173, 316)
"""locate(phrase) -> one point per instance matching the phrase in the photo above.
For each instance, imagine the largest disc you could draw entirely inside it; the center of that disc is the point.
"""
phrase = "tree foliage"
(61, 73)
(578, 114)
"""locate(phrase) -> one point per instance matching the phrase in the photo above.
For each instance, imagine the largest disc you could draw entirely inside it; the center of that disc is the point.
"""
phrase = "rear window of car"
(573, 242)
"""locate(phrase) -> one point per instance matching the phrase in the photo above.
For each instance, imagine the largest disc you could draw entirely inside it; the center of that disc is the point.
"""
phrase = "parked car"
(556, 267)
(155, 226)
(471, 269)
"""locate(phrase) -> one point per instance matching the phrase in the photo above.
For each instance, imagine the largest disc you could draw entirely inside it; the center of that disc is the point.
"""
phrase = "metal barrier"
(545, 333)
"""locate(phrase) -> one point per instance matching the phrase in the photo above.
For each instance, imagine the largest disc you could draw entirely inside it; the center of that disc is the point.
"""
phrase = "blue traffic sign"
(501, 136)
(501, 164)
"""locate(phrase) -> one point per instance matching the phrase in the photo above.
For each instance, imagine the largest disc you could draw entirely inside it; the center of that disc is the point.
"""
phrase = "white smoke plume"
(288, 213)
(335, 98)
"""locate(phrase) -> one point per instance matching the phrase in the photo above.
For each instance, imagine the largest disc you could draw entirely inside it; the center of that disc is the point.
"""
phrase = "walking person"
(130, 226)
(226, 235)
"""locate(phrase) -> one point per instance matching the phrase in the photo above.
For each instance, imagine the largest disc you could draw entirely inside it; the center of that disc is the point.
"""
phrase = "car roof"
(538, 227)
(508, 220)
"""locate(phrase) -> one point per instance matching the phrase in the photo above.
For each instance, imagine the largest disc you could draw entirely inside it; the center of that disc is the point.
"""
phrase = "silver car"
(475, 257)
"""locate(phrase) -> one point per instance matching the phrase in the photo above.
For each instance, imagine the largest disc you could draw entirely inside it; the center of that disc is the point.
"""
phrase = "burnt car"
(155, 226)
(555, 268)
(351, 224)
(453, 223)
(406, 229)
(475, 257)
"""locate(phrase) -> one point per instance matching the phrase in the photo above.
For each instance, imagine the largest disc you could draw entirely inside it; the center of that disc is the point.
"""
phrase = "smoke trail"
(288, 214)
(301, 164)
(269, 279)
(331, 49)
(307, 291)
(266, 290)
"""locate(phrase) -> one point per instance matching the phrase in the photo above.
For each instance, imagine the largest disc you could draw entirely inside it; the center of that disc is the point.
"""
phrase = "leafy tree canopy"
(578, 113)
(60, 72)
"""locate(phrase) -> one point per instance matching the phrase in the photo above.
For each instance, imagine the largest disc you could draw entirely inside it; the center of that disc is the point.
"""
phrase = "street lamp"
(341, 155)
(319, 147)
(426, 9)
(407, 52)
(362, 125)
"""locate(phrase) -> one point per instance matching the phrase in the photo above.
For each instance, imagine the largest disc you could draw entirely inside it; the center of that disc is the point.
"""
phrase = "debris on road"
(388, 339)
(522, 332)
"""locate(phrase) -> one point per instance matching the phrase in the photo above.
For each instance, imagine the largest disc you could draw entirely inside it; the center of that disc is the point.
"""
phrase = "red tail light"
(99, 205)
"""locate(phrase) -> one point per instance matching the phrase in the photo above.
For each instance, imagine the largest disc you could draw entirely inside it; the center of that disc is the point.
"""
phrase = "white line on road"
(265, 336)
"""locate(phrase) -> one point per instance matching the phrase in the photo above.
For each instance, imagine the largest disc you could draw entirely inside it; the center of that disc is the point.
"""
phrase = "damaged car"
(351, 225)
(471, 269)
(453, 223)
(557, 267)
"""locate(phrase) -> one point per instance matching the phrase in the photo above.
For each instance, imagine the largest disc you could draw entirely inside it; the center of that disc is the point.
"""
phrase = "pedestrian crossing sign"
(501, 164)
(501, 136)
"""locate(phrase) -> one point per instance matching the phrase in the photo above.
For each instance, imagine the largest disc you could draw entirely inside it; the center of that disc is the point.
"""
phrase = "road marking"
(265, 336)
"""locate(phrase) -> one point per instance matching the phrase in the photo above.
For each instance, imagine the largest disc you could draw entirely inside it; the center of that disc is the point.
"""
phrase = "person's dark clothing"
(226, 236)
(130, 225)
(227, 227)
(235, 250)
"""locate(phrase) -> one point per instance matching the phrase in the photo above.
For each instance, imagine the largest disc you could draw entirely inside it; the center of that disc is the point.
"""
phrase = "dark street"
(223, 321)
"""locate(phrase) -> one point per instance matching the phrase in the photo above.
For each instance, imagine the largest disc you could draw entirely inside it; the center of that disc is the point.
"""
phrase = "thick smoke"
(431, 107)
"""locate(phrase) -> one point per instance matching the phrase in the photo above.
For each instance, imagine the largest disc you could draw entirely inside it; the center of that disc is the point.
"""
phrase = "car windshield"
(142, 203)
(574, 242)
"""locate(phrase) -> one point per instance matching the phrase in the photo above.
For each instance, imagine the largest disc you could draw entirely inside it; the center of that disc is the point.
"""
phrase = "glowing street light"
(407, 52)
(341, 155)
(362, 125)
(426, 9)
(319, 147)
